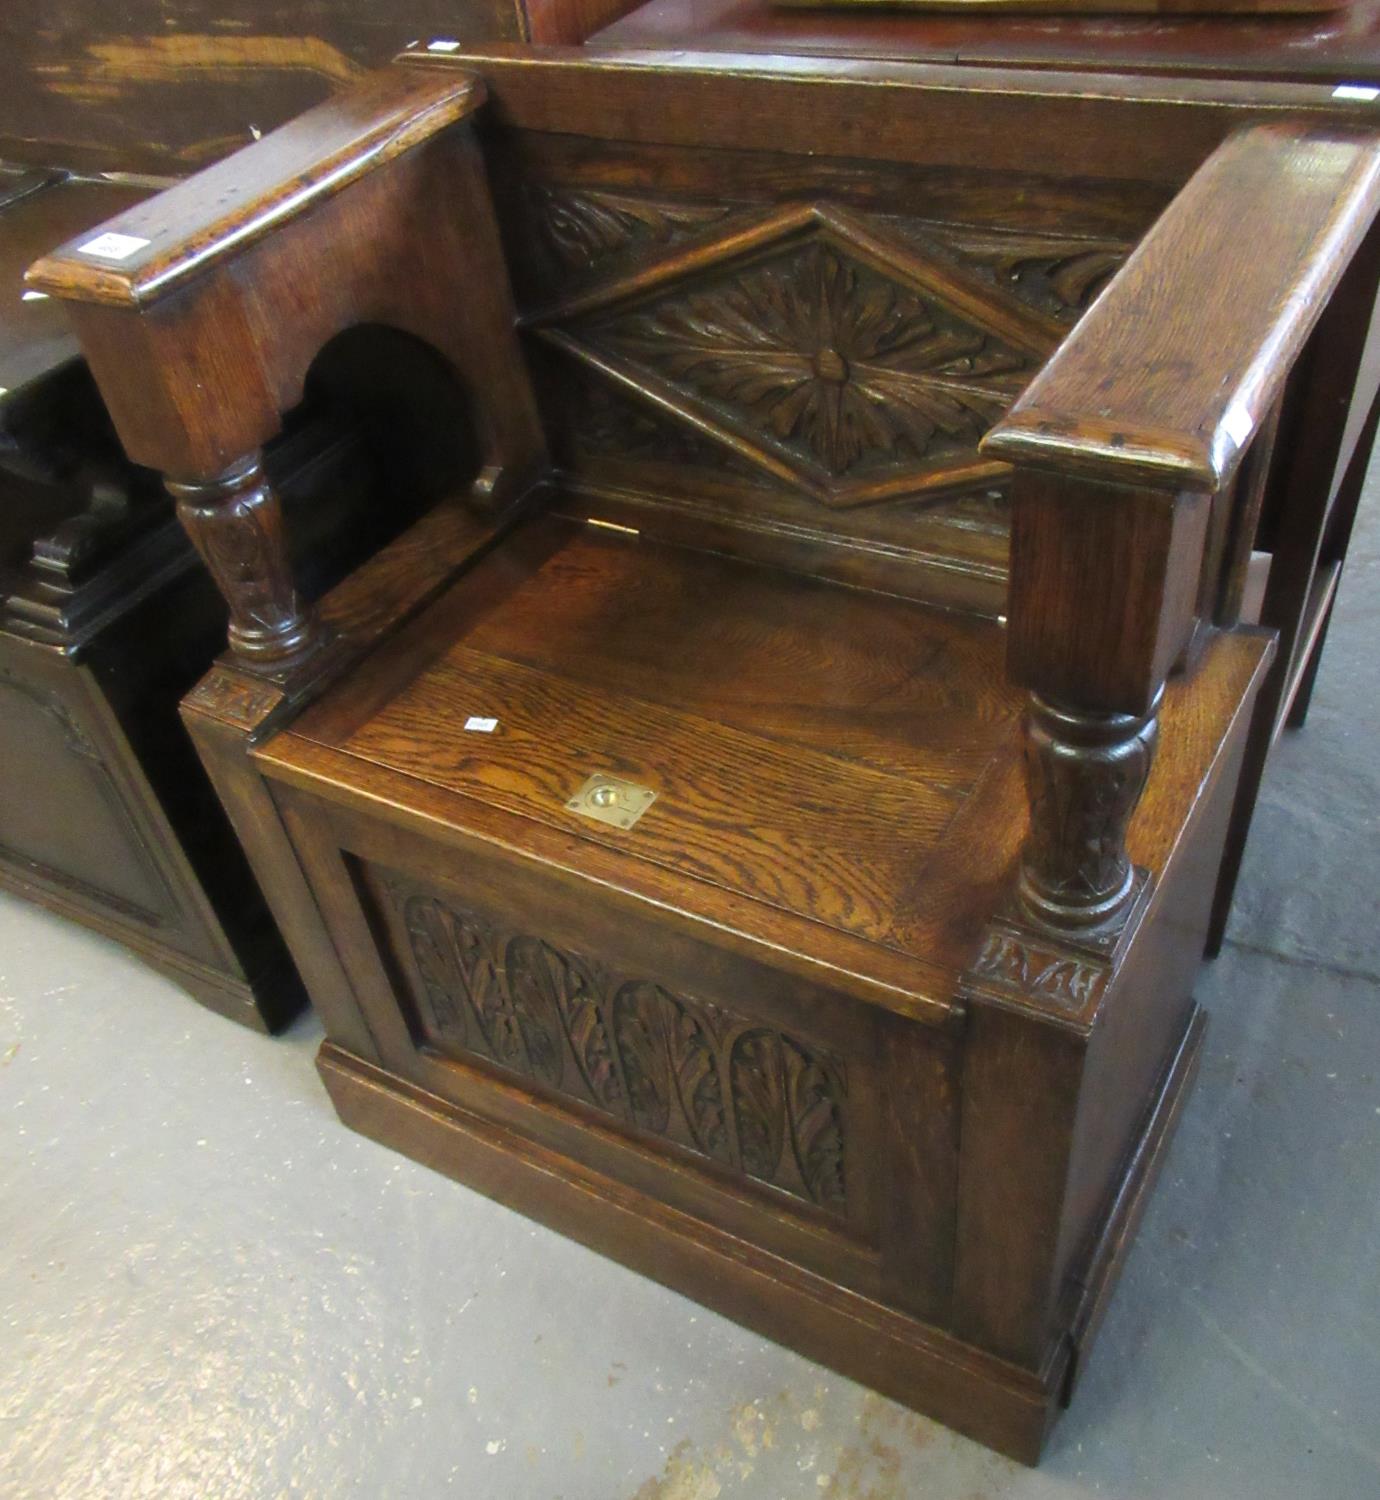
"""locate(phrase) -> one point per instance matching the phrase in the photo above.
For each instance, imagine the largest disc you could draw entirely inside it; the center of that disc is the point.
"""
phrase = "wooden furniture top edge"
(1147, 129)
(1337, 48)
(1185, 10)
(35, 337)
(912, 987)
(1166, 380)
(240, 199)
(510, 59)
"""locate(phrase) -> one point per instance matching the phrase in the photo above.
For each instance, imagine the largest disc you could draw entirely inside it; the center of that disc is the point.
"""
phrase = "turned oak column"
(1104, 584)
(235, 522)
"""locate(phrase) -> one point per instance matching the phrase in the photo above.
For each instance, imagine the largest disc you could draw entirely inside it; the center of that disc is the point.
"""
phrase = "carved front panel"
(751, 1098)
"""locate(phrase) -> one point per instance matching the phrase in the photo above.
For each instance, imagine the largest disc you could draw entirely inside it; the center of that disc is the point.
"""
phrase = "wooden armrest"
(151, 249)
(1171, 372)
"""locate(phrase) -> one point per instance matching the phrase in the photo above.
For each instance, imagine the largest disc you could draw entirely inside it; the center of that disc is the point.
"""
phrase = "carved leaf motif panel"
(751, 1098)
(668, 1051)
(812, 1093)
(547, 987)
(1057, 275)
(586, 229)
(589, 230)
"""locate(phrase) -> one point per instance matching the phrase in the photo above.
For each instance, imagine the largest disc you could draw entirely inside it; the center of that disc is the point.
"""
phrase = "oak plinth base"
(995, 1403)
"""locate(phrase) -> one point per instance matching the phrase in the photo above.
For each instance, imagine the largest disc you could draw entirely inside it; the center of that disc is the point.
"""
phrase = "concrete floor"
(210, 1288)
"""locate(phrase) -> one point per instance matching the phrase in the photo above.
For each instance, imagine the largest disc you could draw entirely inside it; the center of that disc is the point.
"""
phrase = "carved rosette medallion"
(841, 366)
(754, 1099)
(817, 347)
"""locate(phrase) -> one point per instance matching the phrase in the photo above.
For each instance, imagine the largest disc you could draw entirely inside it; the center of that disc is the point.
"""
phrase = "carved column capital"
(1085, 772)
(235, 522)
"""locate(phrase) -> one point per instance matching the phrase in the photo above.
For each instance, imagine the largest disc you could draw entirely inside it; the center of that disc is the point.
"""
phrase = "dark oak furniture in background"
(1340, 47)
(142, 86)
(697, 833)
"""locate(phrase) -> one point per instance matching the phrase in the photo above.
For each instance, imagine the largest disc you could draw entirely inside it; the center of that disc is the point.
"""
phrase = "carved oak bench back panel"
(808, 344)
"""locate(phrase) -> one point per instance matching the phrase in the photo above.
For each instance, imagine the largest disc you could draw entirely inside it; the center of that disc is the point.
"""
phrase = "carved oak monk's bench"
(766, 826)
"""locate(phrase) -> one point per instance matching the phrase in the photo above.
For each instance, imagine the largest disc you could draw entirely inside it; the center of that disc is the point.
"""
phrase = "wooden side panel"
(76, 816)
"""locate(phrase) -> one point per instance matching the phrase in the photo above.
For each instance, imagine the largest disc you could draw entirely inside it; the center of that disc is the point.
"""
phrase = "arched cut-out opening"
(383, 431)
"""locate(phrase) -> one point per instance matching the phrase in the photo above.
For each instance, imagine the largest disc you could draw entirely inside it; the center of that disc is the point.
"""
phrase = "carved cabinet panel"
(755, 1099)
(64, 820)
(828, 353)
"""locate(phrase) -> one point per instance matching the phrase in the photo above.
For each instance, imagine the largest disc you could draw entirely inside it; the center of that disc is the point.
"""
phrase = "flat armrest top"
(148, 250)
(1172, 370)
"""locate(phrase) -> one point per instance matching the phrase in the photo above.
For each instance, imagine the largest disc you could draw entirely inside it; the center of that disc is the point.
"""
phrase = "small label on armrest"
(443, 44)
(1239, 425)
(1362, 91)
(481, 726)
(110, 246)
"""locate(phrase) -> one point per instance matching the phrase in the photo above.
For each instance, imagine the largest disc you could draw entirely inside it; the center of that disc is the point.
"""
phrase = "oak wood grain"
(889, 111)
(802, 1012)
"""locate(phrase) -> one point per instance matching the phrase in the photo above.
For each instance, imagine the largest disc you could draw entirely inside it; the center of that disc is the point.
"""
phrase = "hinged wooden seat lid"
(836, 771)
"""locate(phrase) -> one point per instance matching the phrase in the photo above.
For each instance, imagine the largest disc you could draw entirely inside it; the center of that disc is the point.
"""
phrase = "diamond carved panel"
(820, 348)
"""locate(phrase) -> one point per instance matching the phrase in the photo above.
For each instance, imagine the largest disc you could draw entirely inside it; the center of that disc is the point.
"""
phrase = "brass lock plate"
(609, 799)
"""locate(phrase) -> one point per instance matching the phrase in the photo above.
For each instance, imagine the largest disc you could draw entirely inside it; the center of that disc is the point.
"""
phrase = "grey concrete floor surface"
(209, 1287)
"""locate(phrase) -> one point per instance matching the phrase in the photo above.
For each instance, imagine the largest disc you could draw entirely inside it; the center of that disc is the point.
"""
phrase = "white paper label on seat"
(111, 246)
(443, 44)
(481, 726)
(1362, 91)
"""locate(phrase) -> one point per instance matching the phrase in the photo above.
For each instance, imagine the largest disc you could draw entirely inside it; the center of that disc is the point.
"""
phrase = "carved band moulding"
(750, 1097)
(589, 229)
(817, 345)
